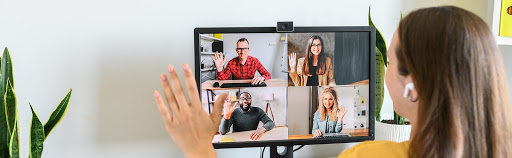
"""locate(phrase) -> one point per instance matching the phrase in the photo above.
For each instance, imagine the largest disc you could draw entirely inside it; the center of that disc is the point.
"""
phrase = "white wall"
(506, 54)
(111, 53)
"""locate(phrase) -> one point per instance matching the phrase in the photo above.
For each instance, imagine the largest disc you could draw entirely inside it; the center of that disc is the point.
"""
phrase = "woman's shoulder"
(301, 60)
(328, 60)
(317, 114)
(377, 149)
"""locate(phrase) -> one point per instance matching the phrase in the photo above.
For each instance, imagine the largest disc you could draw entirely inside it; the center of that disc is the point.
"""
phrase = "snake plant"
(9, 122)
(380, 71)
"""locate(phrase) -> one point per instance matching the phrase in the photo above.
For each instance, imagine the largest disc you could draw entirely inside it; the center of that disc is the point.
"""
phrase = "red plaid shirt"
(245, 71)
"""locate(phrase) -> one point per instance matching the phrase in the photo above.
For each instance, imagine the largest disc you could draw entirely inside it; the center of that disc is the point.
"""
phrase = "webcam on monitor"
(285, 26)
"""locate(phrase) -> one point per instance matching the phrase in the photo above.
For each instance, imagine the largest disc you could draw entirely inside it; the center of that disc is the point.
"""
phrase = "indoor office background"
(112, 52)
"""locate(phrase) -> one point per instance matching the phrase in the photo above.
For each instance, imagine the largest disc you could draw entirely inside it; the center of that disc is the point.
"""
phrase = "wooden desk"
(363, 82)
(277, 133)
(352, 132)
(274, 82)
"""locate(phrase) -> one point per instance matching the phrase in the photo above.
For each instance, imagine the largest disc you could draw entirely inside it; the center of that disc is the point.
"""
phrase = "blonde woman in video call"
(445, 75)
(315, 69)
(328, 118)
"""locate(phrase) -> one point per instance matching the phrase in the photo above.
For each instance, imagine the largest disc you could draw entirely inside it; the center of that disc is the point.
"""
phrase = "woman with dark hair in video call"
(328, 118)
(315, 69)
(445, 75)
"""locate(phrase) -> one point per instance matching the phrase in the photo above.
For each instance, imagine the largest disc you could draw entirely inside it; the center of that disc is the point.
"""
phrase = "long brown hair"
(308, 60)
(334, 108)
(463, 104)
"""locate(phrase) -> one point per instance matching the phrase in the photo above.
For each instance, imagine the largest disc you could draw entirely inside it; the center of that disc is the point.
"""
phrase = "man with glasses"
(241, 67)
(245, 118)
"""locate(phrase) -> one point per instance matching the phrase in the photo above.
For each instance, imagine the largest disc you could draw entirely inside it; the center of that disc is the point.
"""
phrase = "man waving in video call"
(241, 67)
(245, 118)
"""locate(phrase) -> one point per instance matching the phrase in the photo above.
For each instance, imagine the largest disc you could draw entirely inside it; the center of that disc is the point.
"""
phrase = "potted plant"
(397, 129)
(9, 123)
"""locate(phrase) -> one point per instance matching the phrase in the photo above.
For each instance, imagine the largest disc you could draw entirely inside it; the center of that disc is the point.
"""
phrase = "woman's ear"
(410, 90)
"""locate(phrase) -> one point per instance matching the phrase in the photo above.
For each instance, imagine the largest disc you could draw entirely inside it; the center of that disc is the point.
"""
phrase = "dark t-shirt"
(312, 80)
(246, 121)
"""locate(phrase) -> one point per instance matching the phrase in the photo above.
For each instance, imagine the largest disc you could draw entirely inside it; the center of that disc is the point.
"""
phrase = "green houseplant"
(380, 71)
(397, 128)
(9, 127)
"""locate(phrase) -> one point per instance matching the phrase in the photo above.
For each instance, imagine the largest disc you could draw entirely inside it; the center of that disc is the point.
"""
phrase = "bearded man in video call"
(245, 118)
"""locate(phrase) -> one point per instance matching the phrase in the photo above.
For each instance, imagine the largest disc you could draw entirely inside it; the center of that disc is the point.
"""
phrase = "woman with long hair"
(328, 118)
(445, 75)
(315, 69)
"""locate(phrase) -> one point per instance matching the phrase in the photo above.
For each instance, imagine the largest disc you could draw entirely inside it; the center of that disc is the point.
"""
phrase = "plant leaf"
(36, 136)
(399, 120)
(4, 132)
(381, 63)
(4, 119)
(396, 118)
(8, 96)
(12, 117)
(379, 84)
(6, 72)
(14, 145)
(57, 115)
(380, 43)
(11, 106)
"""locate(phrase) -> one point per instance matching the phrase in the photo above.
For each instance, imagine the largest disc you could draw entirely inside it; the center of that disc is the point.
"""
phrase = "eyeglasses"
(242, 99)
(316, 45)
(245, 50)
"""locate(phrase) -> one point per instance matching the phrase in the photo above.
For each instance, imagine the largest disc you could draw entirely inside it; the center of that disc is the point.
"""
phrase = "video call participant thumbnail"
(328, 118)
(241, 67)
(315, 69)
(245, 118)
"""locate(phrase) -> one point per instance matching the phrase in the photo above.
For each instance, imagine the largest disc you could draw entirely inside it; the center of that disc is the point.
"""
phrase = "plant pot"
(392, 132)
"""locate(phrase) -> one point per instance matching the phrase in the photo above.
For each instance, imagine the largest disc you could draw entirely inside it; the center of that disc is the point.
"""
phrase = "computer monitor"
(315, 85)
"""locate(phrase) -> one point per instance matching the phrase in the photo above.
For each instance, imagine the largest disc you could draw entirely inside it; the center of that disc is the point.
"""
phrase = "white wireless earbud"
(408, 87)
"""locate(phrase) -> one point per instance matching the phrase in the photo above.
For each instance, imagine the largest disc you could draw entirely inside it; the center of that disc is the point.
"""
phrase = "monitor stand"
(287, 153)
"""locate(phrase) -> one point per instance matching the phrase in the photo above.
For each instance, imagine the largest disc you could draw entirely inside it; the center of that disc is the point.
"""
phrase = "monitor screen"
(314, 85)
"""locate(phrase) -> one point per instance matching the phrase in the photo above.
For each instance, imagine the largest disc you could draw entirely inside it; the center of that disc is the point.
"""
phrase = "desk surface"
(363, 82)
(352, 132)
(275, 82)
(277, 133)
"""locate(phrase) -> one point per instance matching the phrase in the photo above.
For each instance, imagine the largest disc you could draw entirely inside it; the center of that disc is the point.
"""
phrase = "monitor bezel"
(370, 29)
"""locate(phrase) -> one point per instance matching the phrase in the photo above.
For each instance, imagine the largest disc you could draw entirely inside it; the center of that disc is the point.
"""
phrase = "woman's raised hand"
(341, 113)
(292, 60)
(189, 126)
